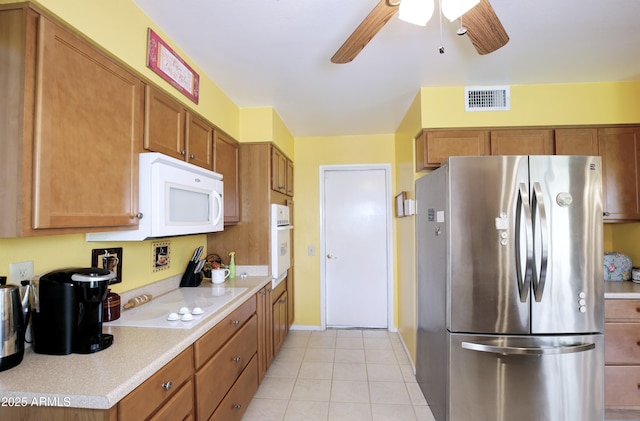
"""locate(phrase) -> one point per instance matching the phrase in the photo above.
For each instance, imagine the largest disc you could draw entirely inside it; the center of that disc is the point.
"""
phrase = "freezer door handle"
(538, 210)
(535, 351)
(522, 205)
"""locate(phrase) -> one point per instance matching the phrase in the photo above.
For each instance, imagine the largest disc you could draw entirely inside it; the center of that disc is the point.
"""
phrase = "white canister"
(635, 274)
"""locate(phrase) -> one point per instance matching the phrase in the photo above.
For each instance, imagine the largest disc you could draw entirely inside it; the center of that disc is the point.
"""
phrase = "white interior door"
(356, 251)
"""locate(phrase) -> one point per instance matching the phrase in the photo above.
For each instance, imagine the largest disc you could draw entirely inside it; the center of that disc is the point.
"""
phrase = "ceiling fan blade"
(484, 29)
(370, 26)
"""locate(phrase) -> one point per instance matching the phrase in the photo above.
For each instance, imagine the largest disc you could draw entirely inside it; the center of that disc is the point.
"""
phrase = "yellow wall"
(533, 105)
(263, 124)
(310, 154)
(405, 259)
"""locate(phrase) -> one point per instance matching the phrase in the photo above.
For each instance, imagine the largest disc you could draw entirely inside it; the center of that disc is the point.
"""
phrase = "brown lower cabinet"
(622, 357)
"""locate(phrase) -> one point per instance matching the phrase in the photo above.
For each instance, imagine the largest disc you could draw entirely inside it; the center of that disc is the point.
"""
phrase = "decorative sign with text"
(166, 63)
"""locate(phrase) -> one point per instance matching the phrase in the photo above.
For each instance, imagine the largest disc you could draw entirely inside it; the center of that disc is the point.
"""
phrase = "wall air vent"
(487, 98)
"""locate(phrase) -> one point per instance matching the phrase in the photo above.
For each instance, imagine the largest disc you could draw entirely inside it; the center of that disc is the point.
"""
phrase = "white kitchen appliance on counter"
(176, 198)
(280, 242)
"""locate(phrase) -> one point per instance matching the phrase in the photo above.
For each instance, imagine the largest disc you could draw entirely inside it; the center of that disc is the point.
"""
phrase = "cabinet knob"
(237, 406)
(606, 214)
(167, 385)
(284, 300)
(183, 152)
(281, 187)
(139, 215)
(192, 156)
(263, 292)
(236, 359)
(235, 322)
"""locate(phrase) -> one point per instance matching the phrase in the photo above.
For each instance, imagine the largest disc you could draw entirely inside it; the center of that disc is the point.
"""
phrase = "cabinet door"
(290, 302)
(620, 152)
(433, 148)
(163, 124)
(522, 142)
(278, 171)
(280, 322)
(289, 178)
(265, 331)
(226, 163)
(576, 141)
(199, 142)
(88, 125)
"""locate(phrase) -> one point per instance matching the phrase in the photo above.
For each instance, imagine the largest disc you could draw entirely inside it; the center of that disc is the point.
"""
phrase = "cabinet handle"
(237, 406)
(281, 187)
(284, 301)
(192, 156)
(167, 385)
(235, 322)
(606, 214)
(139, 215)
(236, 359)
(263, 292)
(183, 152)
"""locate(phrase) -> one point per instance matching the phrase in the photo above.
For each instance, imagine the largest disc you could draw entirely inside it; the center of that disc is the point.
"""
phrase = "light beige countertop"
(621, 290)
(102, 379)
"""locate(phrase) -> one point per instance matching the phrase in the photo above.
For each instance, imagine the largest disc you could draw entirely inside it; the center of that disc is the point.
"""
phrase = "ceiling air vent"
(487, 98)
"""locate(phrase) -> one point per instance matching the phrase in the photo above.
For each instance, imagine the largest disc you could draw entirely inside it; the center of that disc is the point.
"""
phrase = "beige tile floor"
(353, 375)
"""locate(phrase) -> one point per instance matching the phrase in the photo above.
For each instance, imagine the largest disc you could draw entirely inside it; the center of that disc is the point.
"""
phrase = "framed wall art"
(160, 255)
(165, 62)
(110, 259)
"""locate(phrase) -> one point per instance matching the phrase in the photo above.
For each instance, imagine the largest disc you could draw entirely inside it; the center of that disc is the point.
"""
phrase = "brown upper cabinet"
(226, 163)
(281, 172)
(578, 141)
(172, 130)
(434, 147)
(620, 152)
(71, 124)
(522, 142)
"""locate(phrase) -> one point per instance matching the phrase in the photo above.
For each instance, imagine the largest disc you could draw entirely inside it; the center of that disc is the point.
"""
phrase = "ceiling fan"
(484, 29)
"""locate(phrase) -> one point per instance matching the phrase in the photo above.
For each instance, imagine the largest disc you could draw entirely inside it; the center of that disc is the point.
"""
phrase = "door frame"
(390, 250)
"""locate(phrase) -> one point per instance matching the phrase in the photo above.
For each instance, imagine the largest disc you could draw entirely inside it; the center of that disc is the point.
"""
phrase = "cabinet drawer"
(239, 397)
(211, 341)
(179, 407)
(147, 397)
(622, 386)
(217, 376)
(622, 343)
(621, 310)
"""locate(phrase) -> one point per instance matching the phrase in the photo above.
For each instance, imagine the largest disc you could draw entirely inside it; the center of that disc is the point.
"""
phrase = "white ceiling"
(277, 53)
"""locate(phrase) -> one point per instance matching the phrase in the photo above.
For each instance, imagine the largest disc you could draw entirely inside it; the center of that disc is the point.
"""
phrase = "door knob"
(331, 256)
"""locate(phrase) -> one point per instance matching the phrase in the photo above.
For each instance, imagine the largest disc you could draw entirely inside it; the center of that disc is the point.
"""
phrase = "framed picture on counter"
(160, 255)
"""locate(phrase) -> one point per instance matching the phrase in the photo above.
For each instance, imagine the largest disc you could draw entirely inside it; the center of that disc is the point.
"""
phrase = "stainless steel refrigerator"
(510, 288)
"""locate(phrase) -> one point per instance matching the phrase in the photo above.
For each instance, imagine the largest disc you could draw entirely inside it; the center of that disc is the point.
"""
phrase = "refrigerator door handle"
(522, 205)
(538, 208)
(535, 351)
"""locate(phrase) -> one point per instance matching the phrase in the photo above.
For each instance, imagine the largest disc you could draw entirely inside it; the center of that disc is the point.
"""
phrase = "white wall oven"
(280, 242)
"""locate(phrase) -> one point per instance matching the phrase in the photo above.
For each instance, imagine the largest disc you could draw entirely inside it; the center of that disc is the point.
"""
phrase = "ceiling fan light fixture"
(453, 9)
(417, 12)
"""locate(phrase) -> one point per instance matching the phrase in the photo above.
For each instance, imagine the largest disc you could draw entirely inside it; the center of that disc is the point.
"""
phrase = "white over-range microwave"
(176, 198)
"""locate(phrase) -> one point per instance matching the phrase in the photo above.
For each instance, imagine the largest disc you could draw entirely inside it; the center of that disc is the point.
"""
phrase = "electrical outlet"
(20, 271)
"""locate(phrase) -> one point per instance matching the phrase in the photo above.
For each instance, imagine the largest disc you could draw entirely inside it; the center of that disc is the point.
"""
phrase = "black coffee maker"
(67, 311)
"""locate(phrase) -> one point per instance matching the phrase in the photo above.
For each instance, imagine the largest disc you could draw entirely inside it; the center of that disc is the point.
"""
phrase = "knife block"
(189, 277)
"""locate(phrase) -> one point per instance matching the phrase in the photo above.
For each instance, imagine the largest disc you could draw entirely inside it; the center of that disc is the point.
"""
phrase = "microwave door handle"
(218, 198)
(522, 205)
